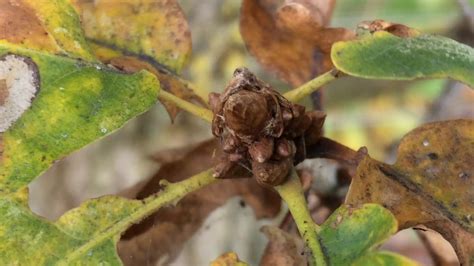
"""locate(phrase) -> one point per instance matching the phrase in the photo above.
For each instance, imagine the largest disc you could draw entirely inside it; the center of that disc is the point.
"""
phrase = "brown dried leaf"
(166, 231)
(440, 251)
(283, 248)
(290, 38)
(432, 183)
(168, 81)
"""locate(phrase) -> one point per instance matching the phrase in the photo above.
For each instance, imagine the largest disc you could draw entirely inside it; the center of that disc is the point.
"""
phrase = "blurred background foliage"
(361, 112)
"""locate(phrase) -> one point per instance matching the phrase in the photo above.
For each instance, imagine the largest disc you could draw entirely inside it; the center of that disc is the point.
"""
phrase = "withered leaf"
(290, 39)
(283, 248)
(432, 183)
(167, 230)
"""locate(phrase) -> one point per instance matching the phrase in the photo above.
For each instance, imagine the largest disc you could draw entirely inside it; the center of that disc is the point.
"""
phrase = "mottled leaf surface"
(155, 30)
(383, 55)
(86, 235)
(151, 35)
(51, 26)
(431, 183)
(62, 22)
(77, 103)
(351, 235)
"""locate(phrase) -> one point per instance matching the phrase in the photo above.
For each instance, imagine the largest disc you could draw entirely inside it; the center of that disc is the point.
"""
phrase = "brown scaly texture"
(261, 130)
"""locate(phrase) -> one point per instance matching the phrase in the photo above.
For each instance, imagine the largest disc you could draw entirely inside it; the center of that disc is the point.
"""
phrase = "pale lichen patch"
(19, 84)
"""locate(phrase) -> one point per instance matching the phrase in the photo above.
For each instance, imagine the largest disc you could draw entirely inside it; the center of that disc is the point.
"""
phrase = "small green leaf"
(351, 234)
(76, 103)
(385, 56)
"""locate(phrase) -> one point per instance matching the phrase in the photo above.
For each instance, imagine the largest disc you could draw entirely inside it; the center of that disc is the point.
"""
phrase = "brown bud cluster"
(260, 130)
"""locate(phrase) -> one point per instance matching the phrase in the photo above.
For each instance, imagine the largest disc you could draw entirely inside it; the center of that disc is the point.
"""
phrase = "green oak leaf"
(77, 103)
(382, 55)
(351, 234)
(86, 235)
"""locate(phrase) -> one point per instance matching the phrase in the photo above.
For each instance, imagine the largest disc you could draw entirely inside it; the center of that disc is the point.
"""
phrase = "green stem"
(292, 193)
(200, 112)
(313, 85)
(171, 194)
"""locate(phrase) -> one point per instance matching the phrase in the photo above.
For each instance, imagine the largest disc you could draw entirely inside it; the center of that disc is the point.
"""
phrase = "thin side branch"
(171, 194)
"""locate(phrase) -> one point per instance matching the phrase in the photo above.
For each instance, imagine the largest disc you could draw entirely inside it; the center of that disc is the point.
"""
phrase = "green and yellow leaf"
(351, 234)
(75, 103)
(86, 235)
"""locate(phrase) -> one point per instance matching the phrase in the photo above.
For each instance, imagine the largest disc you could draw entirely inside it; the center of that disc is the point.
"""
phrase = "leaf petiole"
(311, 86)
(292, 193)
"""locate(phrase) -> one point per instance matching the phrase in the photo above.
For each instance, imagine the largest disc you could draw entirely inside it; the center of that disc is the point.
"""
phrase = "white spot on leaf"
(18, 85)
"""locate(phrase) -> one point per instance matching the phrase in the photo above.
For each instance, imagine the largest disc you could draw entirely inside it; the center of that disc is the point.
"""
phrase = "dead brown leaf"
(432, 183)
(166, 231)
(283, 248)
(290, 38)
(440, 251)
